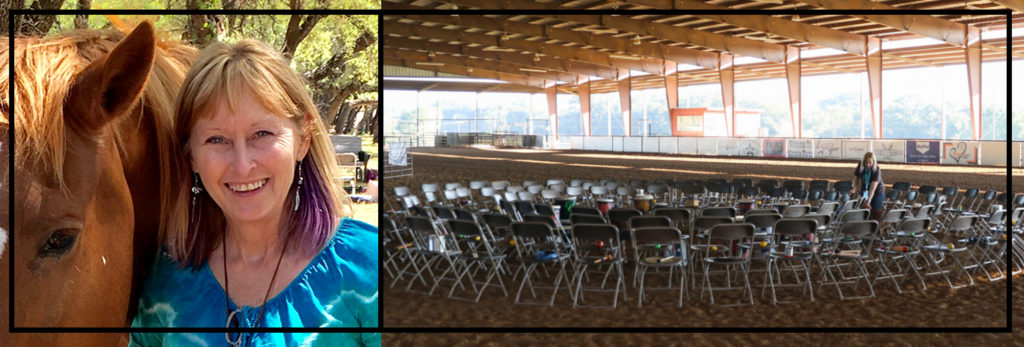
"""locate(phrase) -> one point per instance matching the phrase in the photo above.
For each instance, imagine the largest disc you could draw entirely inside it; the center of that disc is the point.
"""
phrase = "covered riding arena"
(506, 117)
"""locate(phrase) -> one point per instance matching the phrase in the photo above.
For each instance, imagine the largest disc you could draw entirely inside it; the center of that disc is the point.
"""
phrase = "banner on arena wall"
(800, 148)
(750, 147)
(396, 154)
(828, 149)
(728, 147)
(894, 151)
(959, 152)
(855, 149)
(1018, 152)
(687, 145)
(775, 148)
(923, 152)
(993, 153)
(707, 146)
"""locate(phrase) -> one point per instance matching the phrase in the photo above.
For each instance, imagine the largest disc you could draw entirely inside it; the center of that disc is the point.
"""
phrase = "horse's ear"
(110, 86)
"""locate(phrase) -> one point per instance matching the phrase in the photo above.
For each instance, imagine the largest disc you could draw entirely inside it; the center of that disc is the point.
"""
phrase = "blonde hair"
(225, 72)
(869, 156)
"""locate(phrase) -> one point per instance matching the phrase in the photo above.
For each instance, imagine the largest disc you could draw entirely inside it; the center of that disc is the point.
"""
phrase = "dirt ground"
(981, 306)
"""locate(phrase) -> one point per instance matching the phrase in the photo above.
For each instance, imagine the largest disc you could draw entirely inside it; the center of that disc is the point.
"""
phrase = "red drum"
(746, 205)
(604, 205)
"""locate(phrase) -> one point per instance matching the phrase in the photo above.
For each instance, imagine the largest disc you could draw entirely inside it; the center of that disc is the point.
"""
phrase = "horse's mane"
(46, 67)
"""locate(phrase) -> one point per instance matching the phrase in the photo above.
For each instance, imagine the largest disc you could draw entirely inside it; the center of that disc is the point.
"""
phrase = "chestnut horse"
(92, 116)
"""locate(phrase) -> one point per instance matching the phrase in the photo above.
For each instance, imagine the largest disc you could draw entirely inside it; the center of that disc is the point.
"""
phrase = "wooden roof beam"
(478, 73)
(545, 62)
(1015, 5)
(725, 43)
(822, 36)
(929, 26)
(619, 44)
(654, 66)
(475, 63)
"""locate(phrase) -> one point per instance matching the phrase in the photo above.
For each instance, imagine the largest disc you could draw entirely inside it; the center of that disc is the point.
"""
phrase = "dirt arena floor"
(981, 306)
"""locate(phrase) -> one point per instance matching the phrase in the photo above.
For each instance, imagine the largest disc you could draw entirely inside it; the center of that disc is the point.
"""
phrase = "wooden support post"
(973, 51)
(727, 76)
(624, 90)
(793, 82)
(874, 64)
(584, 88)
(552, 94)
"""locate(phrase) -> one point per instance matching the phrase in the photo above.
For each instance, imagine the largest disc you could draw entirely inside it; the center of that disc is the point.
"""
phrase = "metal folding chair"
(721, 248)
(597, 246)
(539, 246)
(478, 255)
(851, 249)
(659, 247)
(788, 238)
(903, 252)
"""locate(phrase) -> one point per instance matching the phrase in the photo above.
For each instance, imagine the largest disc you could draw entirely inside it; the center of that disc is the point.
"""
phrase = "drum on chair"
(658, 205)
(643, 202)
(745, 205)
(565, 205)
(604, 205)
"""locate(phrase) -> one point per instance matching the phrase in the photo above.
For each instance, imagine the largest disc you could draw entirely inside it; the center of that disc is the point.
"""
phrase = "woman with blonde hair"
(257, 234)
(867, 177)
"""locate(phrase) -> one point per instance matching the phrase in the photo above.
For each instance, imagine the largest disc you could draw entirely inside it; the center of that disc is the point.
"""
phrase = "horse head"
(86, 195)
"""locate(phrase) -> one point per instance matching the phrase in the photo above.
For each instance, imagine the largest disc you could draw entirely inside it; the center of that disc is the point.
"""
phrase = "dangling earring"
(298, 188)
(195, 189)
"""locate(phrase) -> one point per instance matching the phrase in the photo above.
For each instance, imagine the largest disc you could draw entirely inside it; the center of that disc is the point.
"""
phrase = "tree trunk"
(331, 116)
(375, 126)
(35, 24)
(202, 29)
(81, 20)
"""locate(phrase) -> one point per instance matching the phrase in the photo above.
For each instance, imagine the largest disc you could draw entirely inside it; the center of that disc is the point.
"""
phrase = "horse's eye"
(61, 241)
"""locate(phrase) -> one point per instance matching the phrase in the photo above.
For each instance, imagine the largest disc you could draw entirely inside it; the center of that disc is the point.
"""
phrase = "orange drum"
(604, 205)
(643, 203)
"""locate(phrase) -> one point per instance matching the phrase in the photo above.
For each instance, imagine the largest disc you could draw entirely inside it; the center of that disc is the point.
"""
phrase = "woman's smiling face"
(246, 159)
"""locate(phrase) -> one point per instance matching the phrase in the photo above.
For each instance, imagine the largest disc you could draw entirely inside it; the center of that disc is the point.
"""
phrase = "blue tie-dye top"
(337, 289)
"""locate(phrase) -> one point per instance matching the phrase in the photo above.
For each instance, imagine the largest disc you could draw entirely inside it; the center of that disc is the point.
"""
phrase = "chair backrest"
(536, 218)
(621, 215)
(971, 193)
(548, 194)
(843, 186)
(1018, 200)
(749, 191)
(649, 221)
(904, 186)
(793, 185)
(923, 211)
(794, 211)
(430, 188)
(554, 181)
(587, 218)
(452, 185)
(463, 192)
(443, 212)
(574, 191)
(757, 211)
(421, 225)
(730, 232)
(638, 183)
(925, 189)
(894, 215)
(914, 225)
(487, 191)
(598, 189)
(854, 215)
(401, 191)
(657, 188)
(822, 219)
(656, 235)
(595, 232)
(496, 220)
(525, 196)
(776, 192)
(702, 223)
(625, 191)
(795, 226)
(535, 189)
(831, 195)
(560, 188)
(893, 194)
(766, 185)
(762, 220)
(499, 185)
(819, 184)
(530, 183)
(463, 214)
(544, 210)
(950, 191)
(538, 231)
(858, 229)
(1017, 214)
(962, 223)
(815, 194)
(576, 182)
(585, 210)
(911, 195)
(476, 185)
(678, 215)
(828, 207)
(524, 207)
(515, 189)
(721, 211)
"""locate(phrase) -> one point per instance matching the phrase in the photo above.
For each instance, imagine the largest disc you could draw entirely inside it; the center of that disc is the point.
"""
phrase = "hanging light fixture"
(431, 54)
(536, 57)
(504, 37)
(636, 40)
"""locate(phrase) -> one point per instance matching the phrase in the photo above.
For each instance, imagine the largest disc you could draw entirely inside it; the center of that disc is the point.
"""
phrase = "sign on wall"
(750, 147)
(923, 152)
(800, 148)
(960, 152)
(855, 149)
(728, 147)
(828, 149)
(775, 148)
(894, 151)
